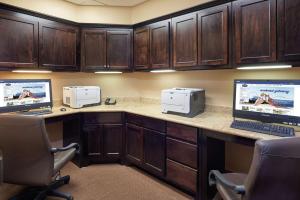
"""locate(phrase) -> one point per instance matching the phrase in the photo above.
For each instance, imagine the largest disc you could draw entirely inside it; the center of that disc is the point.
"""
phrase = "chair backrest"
(275, 170)
(26, 150)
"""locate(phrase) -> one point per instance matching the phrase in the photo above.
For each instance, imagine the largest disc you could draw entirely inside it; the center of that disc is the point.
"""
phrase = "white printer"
(187, 102)
(81, 96)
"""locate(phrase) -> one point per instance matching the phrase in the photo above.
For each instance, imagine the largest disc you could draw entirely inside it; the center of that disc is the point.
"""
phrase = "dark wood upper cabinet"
(141, 48)
(93, 49)
(288, 30)
(154, 151)
(237, 33)
(58, 46)
(19, 40)
(254, 31)
(213, 36)
(160, 45)
(119, 49)
(185, 40)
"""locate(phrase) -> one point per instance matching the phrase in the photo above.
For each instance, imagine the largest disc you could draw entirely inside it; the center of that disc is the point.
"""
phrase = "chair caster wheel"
(66, 179)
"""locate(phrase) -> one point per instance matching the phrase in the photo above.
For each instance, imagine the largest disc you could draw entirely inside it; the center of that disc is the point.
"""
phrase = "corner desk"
(178, 150)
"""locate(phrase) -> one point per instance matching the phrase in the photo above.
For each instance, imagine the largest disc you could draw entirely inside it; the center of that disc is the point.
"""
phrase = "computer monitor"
(272, 101)
(24, 94)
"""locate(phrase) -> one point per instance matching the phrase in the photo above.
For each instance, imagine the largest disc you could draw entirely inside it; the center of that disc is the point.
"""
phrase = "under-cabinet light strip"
(265, 67)
(107, 72)
(163, 71)
(32, 71)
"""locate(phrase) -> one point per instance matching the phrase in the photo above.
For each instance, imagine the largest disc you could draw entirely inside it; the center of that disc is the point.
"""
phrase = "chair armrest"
(216, 177)
(70, 146)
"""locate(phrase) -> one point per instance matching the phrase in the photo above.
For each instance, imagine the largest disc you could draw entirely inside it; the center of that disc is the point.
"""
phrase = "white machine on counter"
(81, 96)
(187, 102)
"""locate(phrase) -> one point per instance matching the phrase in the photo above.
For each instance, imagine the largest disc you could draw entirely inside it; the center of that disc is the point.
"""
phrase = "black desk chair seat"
(29, 158)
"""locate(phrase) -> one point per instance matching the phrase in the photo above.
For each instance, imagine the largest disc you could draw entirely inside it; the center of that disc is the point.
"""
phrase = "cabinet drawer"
(182, 152)
(134, 119)
(103, 118)
(154, 124)
(183, 132)
(147, 122)
(182, 175)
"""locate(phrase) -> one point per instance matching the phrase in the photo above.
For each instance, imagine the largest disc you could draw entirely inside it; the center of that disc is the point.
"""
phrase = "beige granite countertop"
(215, 119)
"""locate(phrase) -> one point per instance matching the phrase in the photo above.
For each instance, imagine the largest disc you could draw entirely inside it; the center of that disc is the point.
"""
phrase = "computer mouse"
(63, 109)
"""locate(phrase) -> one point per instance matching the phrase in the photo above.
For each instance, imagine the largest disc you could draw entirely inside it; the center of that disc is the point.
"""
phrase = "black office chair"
(274, 174)
(29, 158)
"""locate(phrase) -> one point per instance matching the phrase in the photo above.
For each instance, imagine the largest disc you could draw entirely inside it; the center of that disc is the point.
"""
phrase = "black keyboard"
(37, 112)
(260, 127)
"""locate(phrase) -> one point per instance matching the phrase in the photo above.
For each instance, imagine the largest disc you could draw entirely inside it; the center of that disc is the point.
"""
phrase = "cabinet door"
(19, 40)
(213, 35)
(58, 46)
(288, 30)
(134, 144)
(119, 50)
(94, 138)
(160, 45)
(141, 48)
(154, 151)
(255, 31)
(112, 142)
(185, 40)
(93, 49)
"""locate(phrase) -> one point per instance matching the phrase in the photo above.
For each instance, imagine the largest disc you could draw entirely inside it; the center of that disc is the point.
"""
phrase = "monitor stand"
(34, 112)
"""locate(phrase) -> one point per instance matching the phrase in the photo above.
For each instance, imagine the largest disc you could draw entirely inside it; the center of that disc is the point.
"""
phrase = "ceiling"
(126, 3)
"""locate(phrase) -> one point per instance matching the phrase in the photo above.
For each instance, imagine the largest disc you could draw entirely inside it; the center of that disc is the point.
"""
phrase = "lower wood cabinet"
(182, 156)
(112, 142)
(154, 151)
(94, 142)
(104, 142)
(182, 152)
(145, 147)
(103, 133)
(183, 176)
(134, 144)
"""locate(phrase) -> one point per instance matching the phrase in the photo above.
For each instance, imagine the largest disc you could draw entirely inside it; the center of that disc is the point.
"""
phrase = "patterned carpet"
(111, 182)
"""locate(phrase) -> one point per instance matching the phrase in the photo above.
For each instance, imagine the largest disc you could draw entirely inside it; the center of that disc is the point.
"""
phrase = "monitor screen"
(18, 94)
(271, 101)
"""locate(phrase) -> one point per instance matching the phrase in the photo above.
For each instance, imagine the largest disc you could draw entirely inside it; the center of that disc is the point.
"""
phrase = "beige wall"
(109, 15)
(105, 14)
(218, 83)
(73, 12)
(56, 8)
(155, 8)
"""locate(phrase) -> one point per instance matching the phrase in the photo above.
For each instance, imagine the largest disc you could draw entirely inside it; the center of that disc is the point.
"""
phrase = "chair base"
(40, 193)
